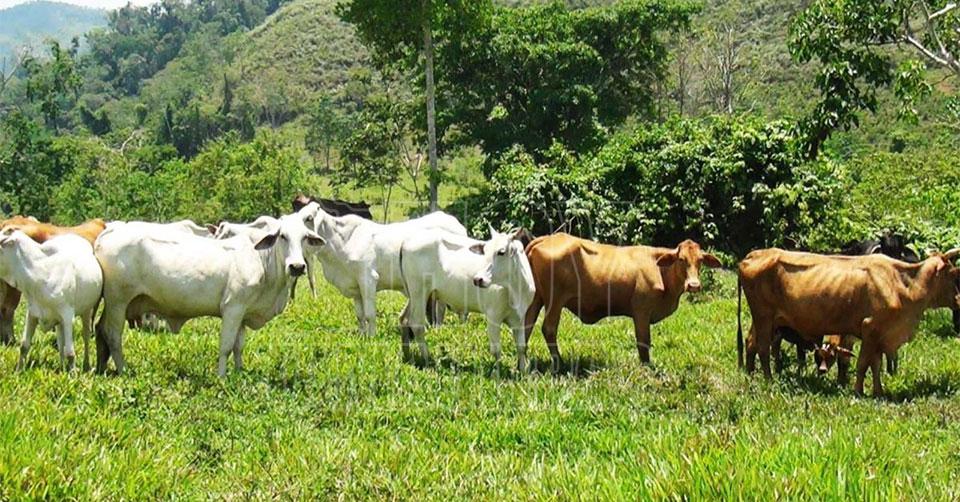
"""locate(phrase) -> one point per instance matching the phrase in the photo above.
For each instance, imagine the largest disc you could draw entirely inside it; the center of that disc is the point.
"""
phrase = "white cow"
(185, 226)
(182, 276)
(150, 321)
(362, 256)
(61, 279)
(490, 277)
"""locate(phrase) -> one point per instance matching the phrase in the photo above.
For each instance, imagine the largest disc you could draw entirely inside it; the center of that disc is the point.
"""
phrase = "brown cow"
(40, 232)
(595, 281)
(875, 298)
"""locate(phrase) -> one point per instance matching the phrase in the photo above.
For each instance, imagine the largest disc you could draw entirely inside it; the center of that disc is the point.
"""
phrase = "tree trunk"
(431, 106)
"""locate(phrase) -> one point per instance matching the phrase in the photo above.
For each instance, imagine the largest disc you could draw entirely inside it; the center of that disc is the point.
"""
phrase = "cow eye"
(283, 236)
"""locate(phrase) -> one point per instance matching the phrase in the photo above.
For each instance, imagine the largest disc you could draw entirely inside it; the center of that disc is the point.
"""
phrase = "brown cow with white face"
(595, 281)
(39, 232)
(876, 298)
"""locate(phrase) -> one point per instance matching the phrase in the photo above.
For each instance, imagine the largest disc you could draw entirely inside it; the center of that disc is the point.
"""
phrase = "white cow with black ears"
(61, 280)
(490, 277)
(181, 276)
(362, 256)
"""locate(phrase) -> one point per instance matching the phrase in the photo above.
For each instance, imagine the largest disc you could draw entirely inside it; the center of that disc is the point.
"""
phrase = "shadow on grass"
(505, 369)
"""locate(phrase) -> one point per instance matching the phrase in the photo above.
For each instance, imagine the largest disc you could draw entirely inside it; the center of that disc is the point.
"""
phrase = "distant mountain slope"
(29, 24)
(307, 43)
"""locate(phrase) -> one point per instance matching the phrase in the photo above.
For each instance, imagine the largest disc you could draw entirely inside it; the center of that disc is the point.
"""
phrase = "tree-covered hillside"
(529, 94)
(27, 25)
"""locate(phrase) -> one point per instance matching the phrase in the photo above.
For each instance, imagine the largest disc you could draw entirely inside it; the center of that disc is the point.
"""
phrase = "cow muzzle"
(481, 282)
(692, 286)
(297, 269)
(823, 368)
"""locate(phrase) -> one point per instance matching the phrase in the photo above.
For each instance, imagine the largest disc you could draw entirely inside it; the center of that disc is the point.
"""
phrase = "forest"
(739, 124)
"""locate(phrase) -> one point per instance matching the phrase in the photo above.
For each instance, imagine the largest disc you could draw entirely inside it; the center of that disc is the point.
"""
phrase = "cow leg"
(86, 326)
(416, 313)
(436, 311)
(775, 352)
(238, 348)
(843, 362)
(29, 327)
(519, 338)
(750, 361)
(358, 311)
(493, 336)
(956, 321)
(368, 291)
(801, 359)
(8, 307)
(641, 328)
(875, 370)
(549, 328)
(762, 333)
(231, 324)
(406, 335)
(110, 336)
(892, 363)
(868, 349)
(530, 318)
(69, 353)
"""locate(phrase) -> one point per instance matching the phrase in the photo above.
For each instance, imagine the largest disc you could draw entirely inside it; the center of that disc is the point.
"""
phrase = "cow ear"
(268, 241)
(315, 240)
(477, 248)
(711, 261)
(668, 259)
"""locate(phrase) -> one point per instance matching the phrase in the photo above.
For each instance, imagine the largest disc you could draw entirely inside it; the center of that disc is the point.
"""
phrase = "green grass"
(322, 412)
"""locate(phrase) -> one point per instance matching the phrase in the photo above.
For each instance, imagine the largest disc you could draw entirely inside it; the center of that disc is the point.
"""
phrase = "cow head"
(288, 240)
(502, 255)
(827, 354)
(946, 280)
(254, 231)
(688, 257)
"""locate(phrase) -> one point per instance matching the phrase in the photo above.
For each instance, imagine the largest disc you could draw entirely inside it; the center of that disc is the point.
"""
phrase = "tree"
(545, 74)
(54, 83)
(326, 127)
(852, 39)
(9, 69)
(383, 147)
(723, 62)
(404, 32)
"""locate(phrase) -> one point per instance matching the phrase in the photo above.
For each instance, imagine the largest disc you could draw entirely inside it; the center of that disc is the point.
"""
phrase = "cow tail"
(739, 321)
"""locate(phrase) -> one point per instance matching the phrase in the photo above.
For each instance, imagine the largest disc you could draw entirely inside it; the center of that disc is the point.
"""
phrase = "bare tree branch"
(947, 8)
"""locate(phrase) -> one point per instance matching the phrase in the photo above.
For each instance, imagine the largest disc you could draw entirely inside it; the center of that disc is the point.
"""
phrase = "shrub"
(734, 183)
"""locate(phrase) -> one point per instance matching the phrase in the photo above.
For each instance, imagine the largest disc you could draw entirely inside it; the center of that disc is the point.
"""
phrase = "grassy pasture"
(321, 413)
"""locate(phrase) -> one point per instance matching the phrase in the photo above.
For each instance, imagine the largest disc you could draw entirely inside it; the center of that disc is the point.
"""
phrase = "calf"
(181, 276)
(61, 279)
(876, 298)
(490, 277)
(39, 232)
(362, 257)
(595, 281)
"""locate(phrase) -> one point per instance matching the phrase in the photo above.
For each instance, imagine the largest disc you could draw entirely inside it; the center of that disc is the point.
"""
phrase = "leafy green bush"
(227, 180)
(912, 193)
(731, 183)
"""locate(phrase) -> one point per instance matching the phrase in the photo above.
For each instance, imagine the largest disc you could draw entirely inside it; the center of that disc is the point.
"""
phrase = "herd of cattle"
(246, 273)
